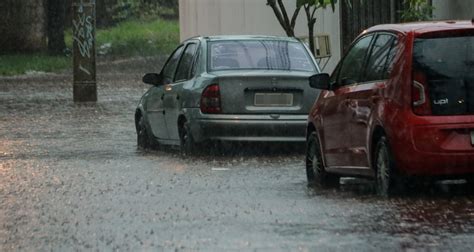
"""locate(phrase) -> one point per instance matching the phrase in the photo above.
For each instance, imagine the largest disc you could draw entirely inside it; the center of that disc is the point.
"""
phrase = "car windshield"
(259, 54)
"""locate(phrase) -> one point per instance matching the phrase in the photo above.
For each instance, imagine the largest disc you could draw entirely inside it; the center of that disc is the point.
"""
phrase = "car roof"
(424, 27)
(244, 37)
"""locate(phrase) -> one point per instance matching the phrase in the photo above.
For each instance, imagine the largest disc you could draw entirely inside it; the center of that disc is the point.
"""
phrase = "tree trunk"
(311, 22)
(22, 26)
(311, 36)
(56, 16)
(280, 13)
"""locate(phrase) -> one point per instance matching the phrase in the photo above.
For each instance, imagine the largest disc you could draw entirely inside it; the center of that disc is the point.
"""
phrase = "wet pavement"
(71, 178)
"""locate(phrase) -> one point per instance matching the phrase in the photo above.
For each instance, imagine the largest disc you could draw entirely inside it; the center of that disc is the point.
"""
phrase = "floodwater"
(71, 178)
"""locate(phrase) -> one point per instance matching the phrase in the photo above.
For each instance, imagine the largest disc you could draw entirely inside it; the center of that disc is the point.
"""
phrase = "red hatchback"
(399, 104)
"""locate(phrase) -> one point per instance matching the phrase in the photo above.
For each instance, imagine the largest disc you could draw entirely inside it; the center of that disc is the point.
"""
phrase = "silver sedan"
(228, 88)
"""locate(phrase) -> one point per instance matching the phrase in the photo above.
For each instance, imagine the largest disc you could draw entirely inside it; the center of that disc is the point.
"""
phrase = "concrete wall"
(253, 17)
(453, 9)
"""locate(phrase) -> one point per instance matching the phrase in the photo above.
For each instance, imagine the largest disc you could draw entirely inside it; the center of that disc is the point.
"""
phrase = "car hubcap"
(314, 160)
(142, 131)
(383, 171)
(185, 137)
(141, 128)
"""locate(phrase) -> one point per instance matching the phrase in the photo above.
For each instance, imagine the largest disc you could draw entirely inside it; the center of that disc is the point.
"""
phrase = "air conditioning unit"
(322, 47)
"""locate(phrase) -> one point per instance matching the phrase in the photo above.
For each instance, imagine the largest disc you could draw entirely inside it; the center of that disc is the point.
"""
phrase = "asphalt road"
(71, 178)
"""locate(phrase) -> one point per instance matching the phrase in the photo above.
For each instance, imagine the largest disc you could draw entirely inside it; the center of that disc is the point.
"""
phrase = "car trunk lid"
(265, 92)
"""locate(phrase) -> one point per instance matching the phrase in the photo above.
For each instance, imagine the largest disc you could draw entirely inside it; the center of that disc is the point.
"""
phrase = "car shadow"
(240, 149)
(247, 149)
(360, 187)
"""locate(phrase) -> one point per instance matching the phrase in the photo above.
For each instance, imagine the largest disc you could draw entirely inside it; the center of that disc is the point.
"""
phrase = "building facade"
(226, 17)
(252, 17)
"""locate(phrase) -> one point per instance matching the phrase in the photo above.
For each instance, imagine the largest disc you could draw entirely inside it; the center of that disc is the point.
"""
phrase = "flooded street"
(71, 178)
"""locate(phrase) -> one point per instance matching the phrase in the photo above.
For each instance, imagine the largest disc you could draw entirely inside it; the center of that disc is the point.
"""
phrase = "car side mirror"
(153, 79)
(320, 81)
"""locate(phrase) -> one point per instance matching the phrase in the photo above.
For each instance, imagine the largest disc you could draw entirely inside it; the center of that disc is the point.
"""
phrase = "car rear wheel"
(187, 144)
(315, 172)
(385, 169)
(143, 140)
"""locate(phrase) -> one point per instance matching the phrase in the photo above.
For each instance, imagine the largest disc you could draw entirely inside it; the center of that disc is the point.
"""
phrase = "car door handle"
(374, 99)
(350, 103)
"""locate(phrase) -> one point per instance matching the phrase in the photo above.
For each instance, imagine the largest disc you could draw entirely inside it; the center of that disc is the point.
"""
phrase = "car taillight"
(211, 100)
(419, 94)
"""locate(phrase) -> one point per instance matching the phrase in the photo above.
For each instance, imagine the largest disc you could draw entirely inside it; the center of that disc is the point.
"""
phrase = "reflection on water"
(71, 176)
(427, 216)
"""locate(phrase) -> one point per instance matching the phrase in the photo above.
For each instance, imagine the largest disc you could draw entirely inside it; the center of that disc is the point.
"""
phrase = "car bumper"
(251, 128)
(447, 165)
(438, 150)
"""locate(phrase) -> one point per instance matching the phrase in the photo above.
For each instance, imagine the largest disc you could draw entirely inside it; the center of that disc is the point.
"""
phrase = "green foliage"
(127, 39)
(144, 9)
(13, 64)
(136, 38)
(317, 3)
(416, 10)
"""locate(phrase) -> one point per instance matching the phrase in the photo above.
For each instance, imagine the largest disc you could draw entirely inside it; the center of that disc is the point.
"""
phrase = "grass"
(136, 38)
(14, 64)
(128, 39)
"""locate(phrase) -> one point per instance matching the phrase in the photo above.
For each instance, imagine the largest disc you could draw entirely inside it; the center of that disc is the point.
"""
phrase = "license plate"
(472, 137)
(273, 99)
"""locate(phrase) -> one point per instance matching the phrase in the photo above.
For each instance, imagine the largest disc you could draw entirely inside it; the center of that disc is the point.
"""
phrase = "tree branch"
(295, 15)
(306, 10)
(283, 22)
(314, 11)
(284, 13)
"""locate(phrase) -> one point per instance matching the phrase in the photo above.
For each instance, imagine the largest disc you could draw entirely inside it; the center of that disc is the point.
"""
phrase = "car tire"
(143, 139)
(386, 181)
(187, 144)
(315, 171)
(470, 185)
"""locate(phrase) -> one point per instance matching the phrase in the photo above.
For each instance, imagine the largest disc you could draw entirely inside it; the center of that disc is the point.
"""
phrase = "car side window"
(390, 59)
(353, 63)
(170, 68)
(195, 64)
(184, 67)
(379, 58)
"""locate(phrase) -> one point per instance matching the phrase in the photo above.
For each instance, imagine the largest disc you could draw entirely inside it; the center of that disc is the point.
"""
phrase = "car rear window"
(448, 64)
(259, 54)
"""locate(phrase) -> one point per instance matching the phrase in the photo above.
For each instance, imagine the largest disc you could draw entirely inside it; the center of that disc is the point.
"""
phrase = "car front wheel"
(187, 144)
(315, 172)
(143, 140)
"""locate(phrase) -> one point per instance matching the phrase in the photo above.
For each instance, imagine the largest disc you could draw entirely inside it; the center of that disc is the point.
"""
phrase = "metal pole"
(85, 85)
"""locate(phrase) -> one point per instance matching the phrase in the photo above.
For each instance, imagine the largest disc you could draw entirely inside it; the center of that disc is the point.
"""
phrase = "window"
(380, 58)
(170, 68)
(353, 63)
(445, 57)
(186, 62)
(447, 62)
(195, 64)
(259, 54)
